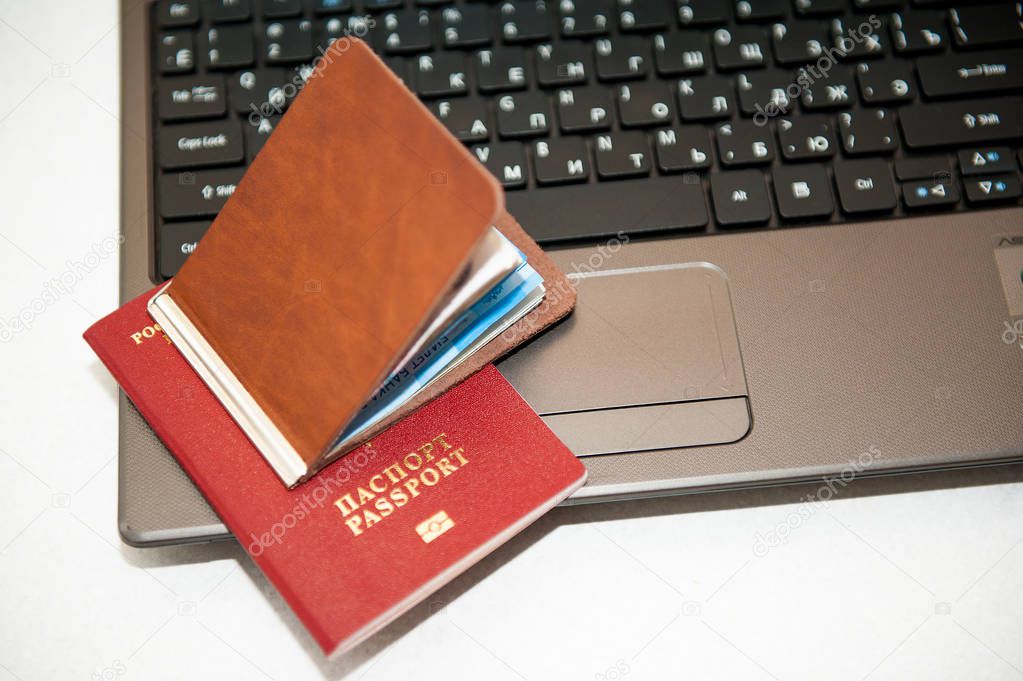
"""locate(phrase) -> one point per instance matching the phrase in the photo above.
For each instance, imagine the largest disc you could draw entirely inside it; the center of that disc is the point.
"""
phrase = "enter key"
(956, 75)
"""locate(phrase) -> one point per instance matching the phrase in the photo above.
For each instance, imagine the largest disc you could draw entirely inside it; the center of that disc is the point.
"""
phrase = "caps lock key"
(200, 144)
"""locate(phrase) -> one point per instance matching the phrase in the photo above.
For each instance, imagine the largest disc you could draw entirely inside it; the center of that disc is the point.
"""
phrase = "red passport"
(376, 531)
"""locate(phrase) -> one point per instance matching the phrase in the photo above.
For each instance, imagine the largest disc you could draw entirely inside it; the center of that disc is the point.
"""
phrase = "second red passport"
(380, 529)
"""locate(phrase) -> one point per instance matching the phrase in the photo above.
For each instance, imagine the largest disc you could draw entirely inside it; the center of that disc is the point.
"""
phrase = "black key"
(803, 191)
(502, 70)
(760, 10)
(876, 4)
(506, 161)
(281, 8)
(806, 138)
(228, 47)
(622, 154)
(440, 75)
(257, 132)
(885, 82)
(765, 94)
(191, 97)
(986, 161)
(835, 90)
(643, 15)
(983, 25)
(865, 186)
(332, 6)
(465, 118)
(744, 143)
(702, 12)
(744, 47)
(381, 5)
(560, 161)
(467, 26)
(868, 131)
(918, 31)
(800, 43)
(405, 31)
(962, 123)
(334, 28)
(968, 73)
(740, 198)
(859, 39)
(177, 241)
(228, 10)
(644, 104)
(524, 20)
(705, 98)
(930, 194)
(589, 210)
(564, 64)
(819, 8)
(288, 41)
(197, 194)
(174, 13)
(680, 149)
(679, 53)
(192, 145)
(522, 115)
(921, 167)
(175, 52)
(259, 91)
(584, 18)
(399, 67)
(621, 58)
(584, 109)
(991, 188)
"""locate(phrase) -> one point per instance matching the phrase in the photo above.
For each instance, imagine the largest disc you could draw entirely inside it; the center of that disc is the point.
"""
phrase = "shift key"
(974, 121)
(198, 194)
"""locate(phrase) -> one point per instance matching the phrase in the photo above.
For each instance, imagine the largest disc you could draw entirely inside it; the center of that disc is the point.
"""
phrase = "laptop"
(794, 226)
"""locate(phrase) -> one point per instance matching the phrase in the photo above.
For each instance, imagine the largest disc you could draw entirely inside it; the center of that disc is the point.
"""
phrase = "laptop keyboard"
(691, 117)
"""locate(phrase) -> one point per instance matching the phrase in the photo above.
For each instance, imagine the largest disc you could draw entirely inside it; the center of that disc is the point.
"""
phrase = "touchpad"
(648, 360)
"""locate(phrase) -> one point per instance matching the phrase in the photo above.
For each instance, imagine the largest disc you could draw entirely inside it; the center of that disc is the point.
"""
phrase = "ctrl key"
(199, 194)
(865, 186)
(177, 241)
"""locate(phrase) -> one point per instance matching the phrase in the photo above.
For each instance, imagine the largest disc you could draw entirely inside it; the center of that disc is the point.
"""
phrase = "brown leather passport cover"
(336, 246)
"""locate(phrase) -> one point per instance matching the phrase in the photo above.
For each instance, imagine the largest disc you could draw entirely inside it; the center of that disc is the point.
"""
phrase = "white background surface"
(916, 578)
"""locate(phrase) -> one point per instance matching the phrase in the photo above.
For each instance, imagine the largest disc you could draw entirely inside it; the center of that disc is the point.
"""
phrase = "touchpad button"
(649, 359)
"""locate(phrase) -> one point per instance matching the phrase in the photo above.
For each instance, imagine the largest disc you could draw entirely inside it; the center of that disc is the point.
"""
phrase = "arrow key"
(991, 188)
(986, 161)
(930, 194)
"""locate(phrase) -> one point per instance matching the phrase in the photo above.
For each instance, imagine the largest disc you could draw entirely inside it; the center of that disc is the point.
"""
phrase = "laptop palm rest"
(649, 360)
